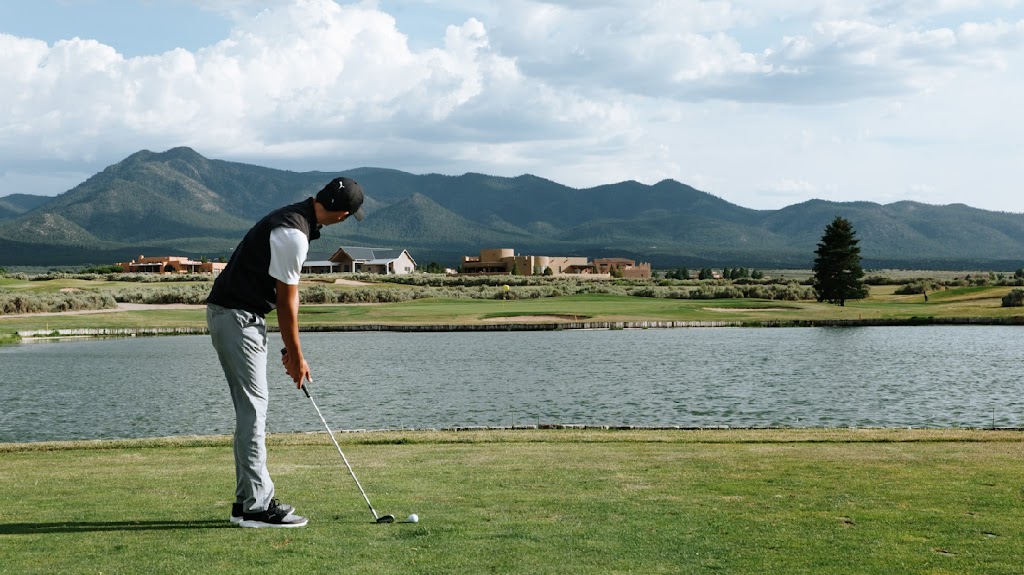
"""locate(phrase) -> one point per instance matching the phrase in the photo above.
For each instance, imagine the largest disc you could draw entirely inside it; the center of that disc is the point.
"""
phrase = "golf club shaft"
(377, 518)
(342, 453)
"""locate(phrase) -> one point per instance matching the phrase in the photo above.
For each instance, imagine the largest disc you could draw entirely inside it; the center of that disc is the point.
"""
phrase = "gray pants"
(240, 338)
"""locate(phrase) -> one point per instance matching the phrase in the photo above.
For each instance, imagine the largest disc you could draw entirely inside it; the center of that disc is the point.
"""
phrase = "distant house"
(319, 267)
(171, 265)
(505, 261)
(386, 261)
(625, 268)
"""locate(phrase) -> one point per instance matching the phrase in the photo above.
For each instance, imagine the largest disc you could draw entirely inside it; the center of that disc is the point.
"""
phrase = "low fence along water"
(534, 326)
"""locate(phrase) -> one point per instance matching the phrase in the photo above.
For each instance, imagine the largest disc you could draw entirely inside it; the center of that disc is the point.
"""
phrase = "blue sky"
(764, 104)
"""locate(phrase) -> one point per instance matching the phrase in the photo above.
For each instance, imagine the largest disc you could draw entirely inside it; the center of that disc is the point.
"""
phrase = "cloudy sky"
(762, 103)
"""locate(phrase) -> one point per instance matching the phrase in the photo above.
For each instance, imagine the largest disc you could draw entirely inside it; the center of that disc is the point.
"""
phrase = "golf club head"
(386, 519)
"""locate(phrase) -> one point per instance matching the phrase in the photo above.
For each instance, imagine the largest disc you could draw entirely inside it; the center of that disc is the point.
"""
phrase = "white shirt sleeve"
(288, 249)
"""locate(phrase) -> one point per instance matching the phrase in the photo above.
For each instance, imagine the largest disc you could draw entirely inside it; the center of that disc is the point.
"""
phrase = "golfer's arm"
(288, 317)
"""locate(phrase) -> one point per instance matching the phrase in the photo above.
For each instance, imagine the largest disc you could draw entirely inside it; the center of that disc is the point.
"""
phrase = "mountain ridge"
(182, 203)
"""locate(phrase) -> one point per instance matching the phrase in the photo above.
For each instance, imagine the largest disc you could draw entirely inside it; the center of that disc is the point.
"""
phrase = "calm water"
(873, 376)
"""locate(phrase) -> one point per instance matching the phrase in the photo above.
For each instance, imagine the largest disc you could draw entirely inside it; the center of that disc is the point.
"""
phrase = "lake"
(927, 376)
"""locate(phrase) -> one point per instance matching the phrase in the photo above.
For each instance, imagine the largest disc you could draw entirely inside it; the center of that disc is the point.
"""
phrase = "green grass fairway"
(534, 501)
(883, 304)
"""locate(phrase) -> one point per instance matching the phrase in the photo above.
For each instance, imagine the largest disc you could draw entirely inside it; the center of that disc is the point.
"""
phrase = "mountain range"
(180, 203)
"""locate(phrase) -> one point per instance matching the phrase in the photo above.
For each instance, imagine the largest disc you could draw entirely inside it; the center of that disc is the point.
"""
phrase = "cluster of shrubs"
(919, 287)
(12, 303)
(186, 294)
(924, 286)
(1014, 299)
(969, 280)
(454, 287)
(324, 294)
(438, 280)
(159, 278)
(999, 280)
(148, 278)
(557, 288)
(787, 292)
(120, 277)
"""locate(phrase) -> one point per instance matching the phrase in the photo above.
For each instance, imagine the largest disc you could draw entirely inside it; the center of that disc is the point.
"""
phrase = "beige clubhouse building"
(505, 261)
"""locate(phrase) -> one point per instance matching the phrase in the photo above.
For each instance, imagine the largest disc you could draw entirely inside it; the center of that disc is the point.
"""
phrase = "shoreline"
(44, 334)
(559, 432)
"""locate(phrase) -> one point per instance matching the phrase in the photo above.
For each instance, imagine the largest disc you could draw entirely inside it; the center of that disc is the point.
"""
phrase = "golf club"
(377, 518)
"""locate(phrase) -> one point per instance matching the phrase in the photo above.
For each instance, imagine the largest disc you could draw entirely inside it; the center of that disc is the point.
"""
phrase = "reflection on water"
(935, 376)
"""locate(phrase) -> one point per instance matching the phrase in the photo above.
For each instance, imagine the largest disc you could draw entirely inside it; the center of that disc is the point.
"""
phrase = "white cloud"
(690, 51)
(307, 79)
(758, 102)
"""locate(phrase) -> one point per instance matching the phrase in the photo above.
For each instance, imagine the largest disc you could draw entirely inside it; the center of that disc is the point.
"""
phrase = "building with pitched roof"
(386, 261)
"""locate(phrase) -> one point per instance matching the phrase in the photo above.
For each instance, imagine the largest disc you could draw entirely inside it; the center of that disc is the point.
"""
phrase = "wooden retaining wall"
(132, 332)
(111, 332)
(516, 326)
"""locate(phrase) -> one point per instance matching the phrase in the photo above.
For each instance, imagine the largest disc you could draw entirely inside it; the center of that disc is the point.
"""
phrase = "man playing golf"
(263, 275)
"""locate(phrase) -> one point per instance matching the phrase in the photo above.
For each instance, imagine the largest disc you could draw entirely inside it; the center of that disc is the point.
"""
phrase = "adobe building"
(171, 265)
(505, 261)
(624, 268)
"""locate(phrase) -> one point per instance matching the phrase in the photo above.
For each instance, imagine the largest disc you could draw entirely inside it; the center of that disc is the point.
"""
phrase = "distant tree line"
(708, 274)
(433, 268)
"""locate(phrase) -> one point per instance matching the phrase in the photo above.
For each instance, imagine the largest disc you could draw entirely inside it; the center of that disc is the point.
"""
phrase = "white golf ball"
(414, 518)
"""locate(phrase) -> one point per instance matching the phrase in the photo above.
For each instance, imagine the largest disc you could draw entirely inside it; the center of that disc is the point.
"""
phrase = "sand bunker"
(745, 309)
(537, 318)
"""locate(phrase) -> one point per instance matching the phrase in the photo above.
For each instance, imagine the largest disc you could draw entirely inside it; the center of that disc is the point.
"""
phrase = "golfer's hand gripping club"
(302, 384)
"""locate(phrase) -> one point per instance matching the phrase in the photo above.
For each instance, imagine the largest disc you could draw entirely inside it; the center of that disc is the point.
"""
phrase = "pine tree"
(837, 270)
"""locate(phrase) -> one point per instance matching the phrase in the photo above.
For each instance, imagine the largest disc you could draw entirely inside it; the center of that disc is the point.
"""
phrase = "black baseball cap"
(342, 195)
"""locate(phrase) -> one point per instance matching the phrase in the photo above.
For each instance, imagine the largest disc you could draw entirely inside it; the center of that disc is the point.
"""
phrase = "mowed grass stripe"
(531, 501)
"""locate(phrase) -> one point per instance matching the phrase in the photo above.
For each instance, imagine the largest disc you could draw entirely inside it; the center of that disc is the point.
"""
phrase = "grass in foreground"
(797, 501)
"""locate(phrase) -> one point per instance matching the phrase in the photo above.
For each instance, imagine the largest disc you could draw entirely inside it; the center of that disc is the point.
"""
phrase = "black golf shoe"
(277, 515)
(236, 510)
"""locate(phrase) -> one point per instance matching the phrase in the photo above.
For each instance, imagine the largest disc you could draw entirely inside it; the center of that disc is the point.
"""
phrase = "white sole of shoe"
(253, 524)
